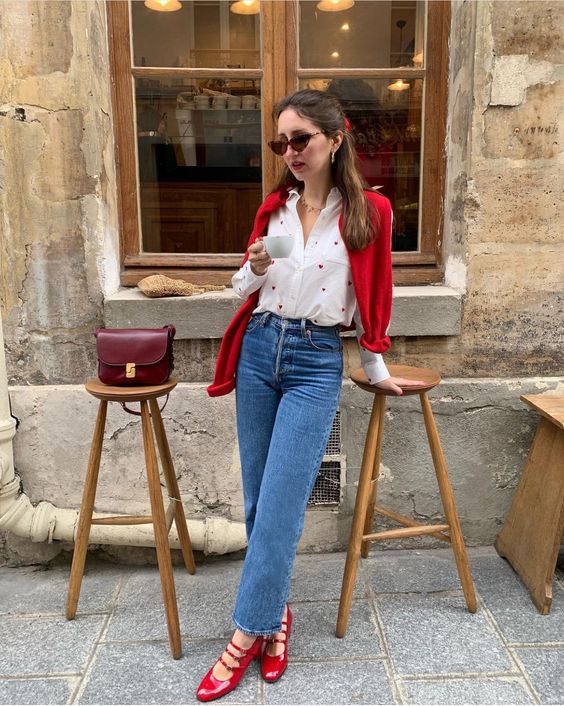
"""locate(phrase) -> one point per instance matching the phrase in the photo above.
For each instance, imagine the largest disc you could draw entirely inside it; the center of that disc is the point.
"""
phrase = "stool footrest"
(406, 521)
(404, 532)
(123, 520)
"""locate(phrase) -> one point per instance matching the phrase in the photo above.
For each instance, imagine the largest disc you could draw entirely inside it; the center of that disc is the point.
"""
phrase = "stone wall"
(503, 216)
(57, 186)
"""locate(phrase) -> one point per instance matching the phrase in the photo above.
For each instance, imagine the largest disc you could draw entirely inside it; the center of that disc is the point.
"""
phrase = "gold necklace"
(308, 207)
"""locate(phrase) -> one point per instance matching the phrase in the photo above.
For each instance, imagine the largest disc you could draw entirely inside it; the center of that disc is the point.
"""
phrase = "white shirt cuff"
(375, 369)
(246, 282)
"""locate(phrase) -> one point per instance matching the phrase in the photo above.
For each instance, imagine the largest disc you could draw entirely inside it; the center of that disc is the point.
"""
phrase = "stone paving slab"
(36, 590)
(545, 668)
(417, 571)
(38, 645)
(35, 691)
(332, 683)
(145, 673)
(316, 580)
(205, 601)
(466, 691)
(435, 634)
(518, 618)
(315, 636)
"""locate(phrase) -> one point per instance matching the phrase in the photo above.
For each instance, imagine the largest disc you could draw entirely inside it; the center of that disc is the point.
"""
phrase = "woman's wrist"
(257, 274)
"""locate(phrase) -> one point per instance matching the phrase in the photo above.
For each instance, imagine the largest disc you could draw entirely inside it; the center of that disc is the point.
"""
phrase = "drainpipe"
(45, 522)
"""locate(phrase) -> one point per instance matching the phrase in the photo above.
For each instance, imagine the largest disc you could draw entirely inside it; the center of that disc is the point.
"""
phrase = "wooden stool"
(361, 531)
(533, 530)
(161, 521)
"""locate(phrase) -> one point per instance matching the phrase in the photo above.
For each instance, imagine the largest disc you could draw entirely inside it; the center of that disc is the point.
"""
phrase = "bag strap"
(138, 414)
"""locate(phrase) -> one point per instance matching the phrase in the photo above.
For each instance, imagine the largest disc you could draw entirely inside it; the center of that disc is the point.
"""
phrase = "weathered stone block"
(529, 130)
(63, 169)
(47, 27)
(521, 206)
(532, 27)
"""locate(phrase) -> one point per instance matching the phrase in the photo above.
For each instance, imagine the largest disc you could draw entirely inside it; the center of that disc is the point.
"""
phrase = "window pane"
(386, 124)
(201, 33)
(199, 150)
(370, 34)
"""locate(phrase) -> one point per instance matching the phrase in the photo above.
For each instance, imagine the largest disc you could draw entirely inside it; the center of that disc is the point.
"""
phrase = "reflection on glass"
(370, 34)
(386, 125)
(202, 33)
(199, 154)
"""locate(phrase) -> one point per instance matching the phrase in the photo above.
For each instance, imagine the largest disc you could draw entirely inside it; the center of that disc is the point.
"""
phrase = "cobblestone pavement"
(410, 639)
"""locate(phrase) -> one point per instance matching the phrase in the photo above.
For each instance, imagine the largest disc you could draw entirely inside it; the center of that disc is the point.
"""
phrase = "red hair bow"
(348, 126)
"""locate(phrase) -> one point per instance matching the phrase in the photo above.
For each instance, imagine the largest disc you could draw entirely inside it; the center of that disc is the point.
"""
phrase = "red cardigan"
(372, 279)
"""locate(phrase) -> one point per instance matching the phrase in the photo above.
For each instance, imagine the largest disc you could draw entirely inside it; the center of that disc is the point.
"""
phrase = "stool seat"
(431, 378)
(113, 393)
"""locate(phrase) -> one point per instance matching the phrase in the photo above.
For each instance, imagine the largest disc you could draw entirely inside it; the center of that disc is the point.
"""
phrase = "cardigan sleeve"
(371, 270)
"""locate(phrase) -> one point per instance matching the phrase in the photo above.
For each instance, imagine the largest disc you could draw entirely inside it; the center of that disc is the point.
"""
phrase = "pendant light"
(245, 7)
(399, 85)
(163, 5)
(334, 5)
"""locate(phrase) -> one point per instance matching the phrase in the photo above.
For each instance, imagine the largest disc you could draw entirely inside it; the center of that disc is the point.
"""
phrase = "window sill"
(417, 311)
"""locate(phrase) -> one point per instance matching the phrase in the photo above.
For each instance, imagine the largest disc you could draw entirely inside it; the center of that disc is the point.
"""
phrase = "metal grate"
(327, 487)
(334, 443)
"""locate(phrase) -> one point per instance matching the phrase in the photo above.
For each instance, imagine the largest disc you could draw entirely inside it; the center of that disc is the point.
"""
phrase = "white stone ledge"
(417, 311)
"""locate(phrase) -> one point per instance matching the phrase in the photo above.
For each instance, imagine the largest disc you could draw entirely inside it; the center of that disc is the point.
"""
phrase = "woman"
(283, 353)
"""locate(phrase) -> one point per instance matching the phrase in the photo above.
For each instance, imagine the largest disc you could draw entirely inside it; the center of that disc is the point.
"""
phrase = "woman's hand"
(394, 385)
(259, 259)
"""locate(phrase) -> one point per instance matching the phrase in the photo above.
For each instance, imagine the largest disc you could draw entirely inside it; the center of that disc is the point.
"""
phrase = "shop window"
(194, 86)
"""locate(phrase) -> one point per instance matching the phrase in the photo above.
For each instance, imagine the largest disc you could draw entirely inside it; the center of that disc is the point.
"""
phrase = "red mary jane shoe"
(272, 668)
(213, 688)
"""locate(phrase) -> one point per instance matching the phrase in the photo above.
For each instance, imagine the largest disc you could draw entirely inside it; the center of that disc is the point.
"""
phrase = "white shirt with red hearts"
(314, 282)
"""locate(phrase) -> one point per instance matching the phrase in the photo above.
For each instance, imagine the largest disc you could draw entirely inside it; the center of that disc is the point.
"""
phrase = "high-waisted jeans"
(288, 386)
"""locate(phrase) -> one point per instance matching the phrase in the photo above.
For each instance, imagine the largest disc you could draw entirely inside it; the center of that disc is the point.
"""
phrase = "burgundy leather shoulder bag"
(135, 356)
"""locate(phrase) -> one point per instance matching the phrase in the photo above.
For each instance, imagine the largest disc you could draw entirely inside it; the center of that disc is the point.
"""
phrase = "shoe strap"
(271, 640)
(227, 666)
(241, 650)
(232, 654)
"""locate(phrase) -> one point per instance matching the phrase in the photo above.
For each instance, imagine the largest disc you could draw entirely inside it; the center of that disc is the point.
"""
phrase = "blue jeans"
(288, 386)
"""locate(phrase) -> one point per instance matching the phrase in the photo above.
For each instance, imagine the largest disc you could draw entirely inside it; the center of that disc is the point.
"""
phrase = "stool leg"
(161, 534)
(172, 486)
(85, 515)
(359, 516)
(449, 506)
(374, 484)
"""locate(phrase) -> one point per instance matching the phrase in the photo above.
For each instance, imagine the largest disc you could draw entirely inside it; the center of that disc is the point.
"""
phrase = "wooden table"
(533, 530)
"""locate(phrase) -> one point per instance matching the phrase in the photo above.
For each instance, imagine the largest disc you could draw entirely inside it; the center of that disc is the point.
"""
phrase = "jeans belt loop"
(303, 327)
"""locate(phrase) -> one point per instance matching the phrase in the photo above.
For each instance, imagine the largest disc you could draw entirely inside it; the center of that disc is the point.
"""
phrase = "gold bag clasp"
(130, 370)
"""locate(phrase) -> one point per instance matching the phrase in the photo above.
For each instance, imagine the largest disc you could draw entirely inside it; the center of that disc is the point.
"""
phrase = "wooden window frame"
(279, 75)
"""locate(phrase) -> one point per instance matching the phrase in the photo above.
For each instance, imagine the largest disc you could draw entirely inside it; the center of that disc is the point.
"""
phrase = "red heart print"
(350, 284)
(315, 321)
(336, 242)
(320, 267)
(279, 306)
(322, 289)
(273, 287)
(342, 308)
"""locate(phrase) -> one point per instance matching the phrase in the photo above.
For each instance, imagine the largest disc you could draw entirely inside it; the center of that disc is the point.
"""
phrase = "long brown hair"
(325, 111)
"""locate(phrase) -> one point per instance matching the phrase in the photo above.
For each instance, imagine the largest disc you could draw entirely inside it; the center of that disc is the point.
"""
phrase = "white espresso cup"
(278, 245)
